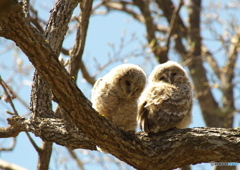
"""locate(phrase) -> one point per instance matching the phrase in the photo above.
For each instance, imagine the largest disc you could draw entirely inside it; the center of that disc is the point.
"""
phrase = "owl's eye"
(174, 74)
(127, 83)
(161, 78)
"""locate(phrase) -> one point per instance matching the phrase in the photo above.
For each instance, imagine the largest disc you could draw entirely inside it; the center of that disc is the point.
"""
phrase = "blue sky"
(103, 32)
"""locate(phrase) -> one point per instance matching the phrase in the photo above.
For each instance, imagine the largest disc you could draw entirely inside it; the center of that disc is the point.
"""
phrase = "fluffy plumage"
(115, 95)
(167, 101)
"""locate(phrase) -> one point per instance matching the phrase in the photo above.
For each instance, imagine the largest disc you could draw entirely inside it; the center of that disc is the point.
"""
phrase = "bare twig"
(211, 61)
(159, 53)
(77, 51)
(86, 74)
(120, 6)
(9, 97)
(38, 149)
(10, 148)
(233, 54)
(74, 156)
(173, 23)
(10, 166)
(35, 20)
(4, 86)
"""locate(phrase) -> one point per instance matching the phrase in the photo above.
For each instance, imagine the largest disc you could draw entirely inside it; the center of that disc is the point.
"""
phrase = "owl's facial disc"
(128, 88)
(164, 78)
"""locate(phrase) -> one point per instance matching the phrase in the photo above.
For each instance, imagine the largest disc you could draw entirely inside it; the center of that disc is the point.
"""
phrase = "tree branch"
(41, 95)
(160, 53)
(49, 129)
(86, 74)
(6, 89)
(121, 6)
(175, 146)
(77, 51)
(74, 156)
(140, 151)
(211, 61)
(9, 166)
(172, 25)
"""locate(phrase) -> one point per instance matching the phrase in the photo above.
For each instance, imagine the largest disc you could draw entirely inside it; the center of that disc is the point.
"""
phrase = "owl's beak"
(130, 95)
(169, 80)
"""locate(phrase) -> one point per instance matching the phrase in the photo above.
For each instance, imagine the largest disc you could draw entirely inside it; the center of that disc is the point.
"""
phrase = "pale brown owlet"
(167, 101)
(115, 95)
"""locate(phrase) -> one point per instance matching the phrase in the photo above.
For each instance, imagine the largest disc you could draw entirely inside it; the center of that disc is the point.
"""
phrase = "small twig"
(86, 74)
(37, 148)
(65, 51)
(233, 54)
(173, 23)
(79, 45)
(122, 7)
(10, 166)
(74, 156)
(11, 146)
(4, 86)
(211, 61)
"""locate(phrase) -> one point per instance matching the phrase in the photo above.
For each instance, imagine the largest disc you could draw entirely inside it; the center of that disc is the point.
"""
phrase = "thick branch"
(41, 95)
(197, 70)
(59, 23)
(169, 149)
(48, 129)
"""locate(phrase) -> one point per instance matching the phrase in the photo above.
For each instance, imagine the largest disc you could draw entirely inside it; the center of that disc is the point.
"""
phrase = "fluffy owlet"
(115, 95)
(167, 101)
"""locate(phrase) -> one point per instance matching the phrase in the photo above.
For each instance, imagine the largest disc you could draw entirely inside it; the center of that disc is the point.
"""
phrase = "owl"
(167, 101)
(116, 94)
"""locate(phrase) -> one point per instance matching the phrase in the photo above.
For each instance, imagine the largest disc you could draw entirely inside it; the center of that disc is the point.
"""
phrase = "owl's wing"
(158, 112)
(163, 119)
(142, 115)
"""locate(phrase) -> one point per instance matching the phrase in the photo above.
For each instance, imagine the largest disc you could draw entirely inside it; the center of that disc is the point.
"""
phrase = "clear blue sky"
(102, 31)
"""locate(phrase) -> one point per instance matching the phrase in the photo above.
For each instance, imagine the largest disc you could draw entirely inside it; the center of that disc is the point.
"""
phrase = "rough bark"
(49, 129)
(41, 95)
(167, 150)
